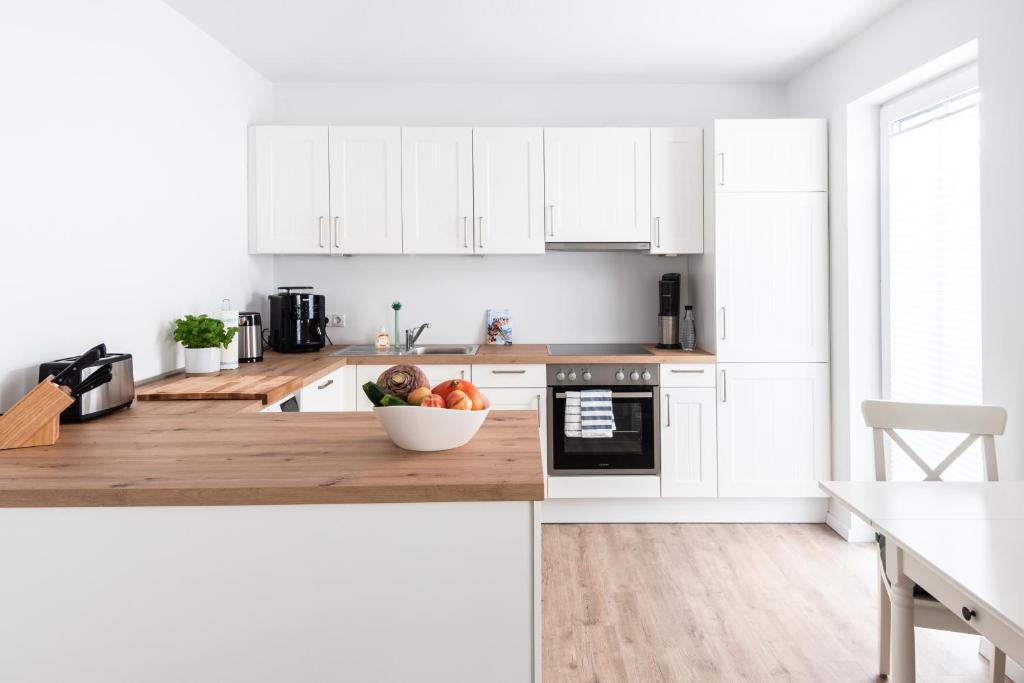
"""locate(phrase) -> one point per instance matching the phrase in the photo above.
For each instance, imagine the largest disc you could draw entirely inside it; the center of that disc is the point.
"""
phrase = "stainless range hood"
(597, 246)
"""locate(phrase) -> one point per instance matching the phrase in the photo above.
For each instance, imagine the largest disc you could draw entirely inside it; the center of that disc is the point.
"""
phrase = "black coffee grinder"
(297, 321)
(668, 311)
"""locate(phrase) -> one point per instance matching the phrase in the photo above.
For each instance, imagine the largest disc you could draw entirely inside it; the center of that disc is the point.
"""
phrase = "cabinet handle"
(320, 229)
(337, 245)
(668, 410)
(968, 613)
(538, 409)
(480, 241)
(325, 384)
(462, 374)
(508, 372)
(687, 372)
(551, 220)
(465, 239)
(657, 231)
(725, 395)
(723, 321)
(721, 168)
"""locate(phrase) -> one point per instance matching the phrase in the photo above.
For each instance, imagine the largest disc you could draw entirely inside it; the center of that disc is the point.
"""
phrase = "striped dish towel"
(572, 414)
(596, 417)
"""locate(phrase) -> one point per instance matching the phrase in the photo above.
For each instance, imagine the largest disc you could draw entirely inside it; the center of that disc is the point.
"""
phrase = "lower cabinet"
(773, 429)
(331, 393)
(435, 375)
(689, 453)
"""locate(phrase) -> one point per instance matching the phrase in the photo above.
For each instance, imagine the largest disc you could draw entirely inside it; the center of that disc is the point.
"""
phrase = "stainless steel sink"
(425, 350)
(442, 350)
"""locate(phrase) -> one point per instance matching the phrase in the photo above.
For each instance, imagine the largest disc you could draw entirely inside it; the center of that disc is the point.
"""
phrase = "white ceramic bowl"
(429, 429)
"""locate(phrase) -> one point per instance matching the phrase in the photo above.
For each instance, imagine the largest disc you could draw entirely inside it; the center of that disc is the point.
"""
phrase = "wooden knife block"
(35, 419)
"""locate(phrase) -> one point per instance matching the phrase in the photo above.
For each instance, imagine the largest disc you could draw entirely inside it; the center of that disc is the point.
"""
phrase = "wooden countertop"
(149, 456)
(533, 354)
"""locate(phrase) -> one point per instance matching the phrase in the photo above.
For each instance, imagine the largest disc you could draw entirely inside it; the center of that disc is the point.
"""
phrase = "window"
(931, 259)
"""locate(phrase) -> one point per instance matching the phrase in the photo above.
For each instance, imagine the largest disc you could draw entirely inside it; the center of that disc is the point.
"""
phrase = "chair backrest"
(984, 422)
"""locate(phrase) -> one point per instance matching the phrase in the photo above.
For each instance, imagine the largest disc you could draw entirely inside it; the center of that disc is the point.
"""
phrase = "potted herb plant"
(203, 337)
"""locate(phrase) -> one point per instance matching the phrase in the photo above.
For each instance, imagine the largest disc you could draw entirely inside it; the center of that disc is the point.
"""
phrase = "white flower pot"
(202, 361)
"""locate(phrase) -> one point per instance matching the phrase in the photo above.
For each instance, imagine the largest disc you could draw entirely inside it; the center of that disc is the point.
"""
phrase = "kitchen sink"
(364, 350)
(442, 350)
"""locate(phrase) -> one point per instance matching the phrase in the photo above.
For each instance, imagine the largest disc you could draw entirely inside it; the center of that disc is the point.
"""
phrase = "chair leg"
(884, 627)
(997, 667)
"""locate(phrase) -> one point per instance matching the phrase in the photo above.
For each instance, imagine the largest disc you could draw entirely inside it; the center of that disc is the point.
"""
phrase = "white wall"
(914, 34)
(543, 290)
(123, 130)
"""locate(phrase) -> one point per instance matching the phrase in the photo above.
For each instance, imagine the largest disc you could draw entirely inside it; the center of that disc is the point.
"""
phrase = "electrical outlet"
(337, 320)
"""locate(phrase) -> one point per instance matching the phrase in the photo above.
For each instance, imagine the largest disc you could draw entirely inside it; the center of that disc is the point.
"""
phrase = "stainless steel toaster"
(118, 393)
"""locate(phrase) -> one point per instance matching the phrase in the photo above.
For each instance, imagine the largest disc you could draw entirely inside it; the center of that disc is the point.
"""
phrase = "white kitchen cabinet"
(289, 202)
(366, 190)
(773, 429)
(772, 277)
(771, 155)
(330, 393)
(435, 375)
(437, 190)
(688, 443)
(677, 191)
(508, 190)
(597, 184)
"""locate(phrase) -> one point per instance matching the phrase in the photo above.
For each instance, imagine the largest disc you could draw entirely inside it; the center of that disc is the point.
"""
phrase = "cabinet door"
(597, 184)
(773, 429)
(677, 191)
(437, 190)
(688, 450)
(289, 203)
(331, 393)
(771, 155)
(366, 190)
(771, 277)
(508, 190)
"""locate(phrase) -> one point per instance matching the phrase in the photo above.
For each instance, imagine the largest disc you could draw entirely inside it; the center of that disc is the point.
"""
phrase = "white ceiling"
(642, 41)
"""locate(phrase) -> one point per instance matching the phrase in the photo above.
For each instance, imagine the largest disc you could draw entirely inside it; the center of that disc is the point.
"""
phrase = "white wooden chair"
(977, 422)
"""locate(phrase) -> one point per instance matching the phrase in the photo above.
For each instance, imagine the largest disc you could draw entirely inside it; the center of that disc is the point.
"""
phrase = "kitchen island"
(202, 541)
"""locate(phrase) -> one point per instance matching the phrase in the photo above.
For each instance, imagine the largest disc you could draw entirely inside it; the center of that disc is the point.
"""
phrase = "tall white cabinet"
(771, 287)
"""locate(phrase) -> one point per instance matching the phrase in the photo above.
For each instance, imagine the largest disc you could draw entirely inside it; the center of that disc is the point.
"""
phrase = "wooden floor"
(721, 602)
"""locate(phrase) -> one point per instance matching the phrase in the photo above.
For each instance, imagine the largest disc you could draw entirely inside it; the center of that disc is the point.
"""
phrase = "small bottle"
(688, 332)
(383, 342)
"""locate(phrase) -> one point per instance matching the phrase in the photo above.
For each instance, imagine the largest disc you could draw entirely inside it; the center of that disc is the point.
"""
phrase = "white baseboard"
(850, 528)
(682, 510)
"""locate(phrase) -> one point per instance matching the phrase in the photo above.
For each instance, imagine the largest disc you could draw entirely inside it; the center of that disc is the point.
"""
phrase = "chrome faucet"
(412, 335)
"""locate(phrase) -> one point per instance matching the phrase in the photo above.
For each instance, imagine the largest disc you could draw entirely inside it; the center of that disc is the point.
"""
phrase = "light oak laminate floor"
(721, 602)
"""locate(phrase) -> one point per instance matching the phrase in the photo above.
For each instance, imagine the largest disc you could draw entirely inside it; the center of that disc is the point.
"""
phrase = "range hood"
(597, 246)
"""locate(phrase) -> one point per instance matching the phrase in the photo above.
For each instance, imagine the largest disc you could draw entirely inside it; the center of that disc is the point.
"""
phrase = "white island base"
(399, 592)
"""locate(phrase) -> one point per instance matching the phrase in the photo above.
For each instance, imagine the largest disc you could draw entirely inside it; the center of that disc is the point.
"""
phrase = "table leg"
(902, 623)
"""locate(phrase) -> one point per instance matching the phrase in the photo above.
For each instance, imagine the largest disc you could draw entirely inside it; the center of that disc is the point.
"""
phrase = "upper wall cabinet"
(771, 155)
(437, 190)
(289, 202)
(508, 190)
(597, 184)
(366, 190)
(677, 191)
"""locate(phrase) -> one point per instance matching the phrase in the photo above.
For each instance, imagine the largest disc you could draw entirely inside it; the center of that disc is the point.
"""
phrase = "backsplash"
(554, 297)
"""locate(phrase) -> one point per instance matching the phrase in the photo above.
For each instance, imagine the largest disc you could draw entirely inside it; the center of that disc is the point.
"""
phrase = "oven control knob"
(560, 376)
(572, 375)
(634, 375)
(646, 376)
(620, 375)
(587, 376)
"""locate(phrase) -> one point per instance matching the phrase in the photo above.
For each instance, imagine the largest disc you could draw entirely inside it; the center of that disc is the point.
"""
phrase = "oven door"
(632, 449)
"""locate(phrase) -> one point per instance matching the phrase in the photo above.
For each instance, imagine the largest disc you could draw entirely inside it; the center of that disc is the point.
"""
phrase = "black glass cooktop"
(598, 350)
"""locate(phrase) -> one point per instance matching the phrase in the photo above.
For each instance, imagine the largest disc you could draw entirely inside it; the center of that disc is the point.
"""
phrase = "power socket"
(336, 320)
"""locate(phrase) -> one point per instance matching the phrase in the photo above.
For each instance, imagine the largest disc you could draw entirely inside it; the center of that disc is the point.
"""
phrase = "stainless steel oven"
(633, 448)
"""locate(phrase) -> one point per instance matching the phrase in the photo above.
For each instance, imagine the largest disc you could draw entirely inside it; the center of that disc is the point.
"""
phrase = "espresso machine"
(668, 311)
(298, 322)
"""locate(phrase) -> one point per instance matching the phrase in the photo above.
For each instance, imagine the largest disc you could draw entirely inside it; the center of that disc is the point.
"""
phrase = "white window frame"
(943, 88)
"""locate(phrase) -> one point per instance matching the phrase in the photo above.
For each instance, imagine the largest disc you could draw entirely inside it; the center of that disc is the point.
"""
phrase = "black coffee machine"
(668, 311)
(297, 320)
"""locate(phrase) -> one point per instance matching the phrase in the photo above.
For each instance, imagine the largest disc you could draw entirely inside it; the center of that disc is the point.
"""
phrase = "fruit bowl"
(429, 429)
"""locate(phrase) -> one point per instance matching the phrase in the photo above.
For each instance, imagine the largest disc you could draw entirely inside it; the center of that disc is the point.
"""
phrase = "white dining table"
(963, 542)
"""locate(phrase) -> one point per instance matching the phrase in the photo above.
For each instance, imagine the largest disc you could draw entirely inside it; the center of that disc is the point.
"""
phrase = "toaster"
(118, 393)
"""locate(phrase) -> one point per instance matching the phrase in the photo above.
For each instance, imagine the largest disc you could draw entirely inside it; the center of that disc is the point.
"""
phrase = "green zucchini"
(392, 400)
(374, 393)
